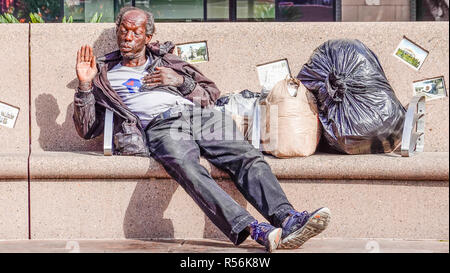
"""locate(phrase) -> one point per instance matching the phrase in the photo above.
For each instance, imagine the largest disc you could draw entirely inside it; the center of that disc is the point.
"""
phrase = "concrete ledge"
(14, 166)
(423, 166)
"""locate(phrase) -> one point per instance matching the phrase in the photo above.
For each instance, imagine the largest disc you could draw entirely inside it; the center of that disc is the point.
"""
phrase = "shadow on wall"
(60, 137)
(144, 217)
(56, 137)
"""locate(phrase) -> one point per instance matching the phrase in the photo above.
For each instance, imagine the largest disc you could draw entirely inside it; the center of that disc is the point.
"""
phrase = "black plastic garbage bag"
(357, 106)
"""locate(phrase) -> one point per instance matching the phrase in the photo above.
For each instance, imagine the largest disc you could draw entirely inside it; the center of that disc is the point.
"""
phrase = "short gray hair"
(149, 27)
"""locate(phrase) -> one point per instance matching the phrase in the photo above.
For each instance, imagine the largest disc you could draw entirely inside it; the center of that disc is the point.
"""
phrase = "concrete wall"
(387, 10)
(160, 208)
(136, 207)
(14, 85)
(234, 50)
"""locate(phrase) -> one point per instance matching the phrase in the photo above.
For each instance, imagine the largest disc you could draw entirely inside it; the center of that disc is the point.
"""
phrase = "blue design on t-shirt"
(132, 85)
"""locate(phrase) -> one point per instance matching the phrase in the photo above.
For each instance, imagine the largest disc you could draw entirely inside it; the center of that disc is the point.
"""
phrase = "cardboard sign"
(8, 115)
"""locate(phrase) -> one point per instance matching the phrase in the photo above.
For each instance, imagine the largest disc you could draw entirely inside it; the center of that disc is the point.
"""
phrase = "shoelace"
(257, 230)
(298, 216)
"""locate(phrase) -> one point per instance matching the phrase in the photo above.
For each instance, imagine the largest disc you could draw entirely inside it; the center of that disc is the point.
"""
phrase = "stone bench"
(76, 192)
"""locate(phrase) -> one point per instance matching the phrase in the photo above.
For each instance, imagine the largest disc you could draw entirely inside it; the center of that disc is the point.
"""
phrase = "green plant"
(96, 18)
(49, 10)
(264, 12)
(7, 18)
(67, 20)
(36, 18)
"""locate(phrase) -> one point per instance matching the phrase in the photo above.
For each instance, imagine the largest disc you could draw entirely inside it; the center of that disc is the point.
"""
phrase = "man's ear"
(148, 38)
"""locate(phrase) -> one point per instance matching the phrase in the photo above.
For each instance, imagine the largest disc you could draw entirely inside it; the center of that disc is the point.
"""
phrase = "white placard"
(8, 115)
(432, 89)
(271, 73)
(410, 53)
(192, 52)
(373, 2)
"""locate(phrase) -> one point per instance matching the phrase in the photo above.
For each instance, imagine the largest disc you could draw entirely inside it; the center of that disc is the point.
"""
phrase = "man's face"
(131, 36)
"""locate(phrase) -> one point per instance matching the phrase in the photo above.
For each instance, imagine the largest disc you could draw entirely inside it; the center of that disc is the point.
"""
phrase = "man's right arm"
(88, 118)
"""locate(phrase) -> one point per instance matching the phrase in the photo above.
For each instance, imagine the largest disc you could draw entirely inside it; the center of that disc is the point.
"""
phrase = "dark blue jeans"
(178, 137)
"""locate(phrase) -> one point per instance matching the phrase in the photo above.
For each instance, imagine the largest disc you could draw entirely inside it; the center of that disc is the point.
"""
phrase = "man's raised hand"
(86, 67)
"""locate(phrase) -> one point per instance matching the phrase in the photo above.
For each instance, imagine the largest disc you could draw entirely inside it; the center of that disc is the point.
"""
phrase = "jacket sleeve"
(88, 116)
(200, 89)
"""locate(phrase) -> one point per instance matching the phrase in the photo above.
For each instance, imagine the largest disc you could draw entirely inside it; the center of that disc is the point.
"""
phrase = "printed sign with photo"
(431, 88)
(271, 73)
(192, 52)
(8, 115)
(410, 53)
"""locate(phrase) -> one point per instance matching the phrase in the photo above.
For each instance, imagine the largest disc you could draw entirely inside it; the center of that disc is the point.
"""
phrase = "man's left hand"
(163, 76)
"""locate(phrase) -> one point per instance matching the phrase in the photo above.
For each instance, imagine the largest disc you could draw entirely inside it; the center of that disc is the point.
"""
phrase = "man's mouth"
(125, 48)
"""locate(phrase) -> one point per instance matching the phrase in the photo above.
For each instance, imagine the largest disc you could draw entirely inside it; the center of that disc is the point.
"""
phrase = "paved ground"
(215, 246)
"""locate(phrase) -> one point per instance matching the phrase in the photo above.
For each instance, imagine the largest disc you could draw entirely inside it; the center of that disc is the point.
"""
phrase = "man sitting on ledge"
(163, 108)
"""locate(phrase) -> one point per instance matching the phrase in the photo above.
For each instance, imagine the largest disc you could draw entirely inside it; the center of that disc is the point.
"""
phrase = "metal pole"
(250, 9)
(337, 10)
(61, 9)
(277, 11)
(232, 10)
(116, 8)
(205, 10)
(413, 10)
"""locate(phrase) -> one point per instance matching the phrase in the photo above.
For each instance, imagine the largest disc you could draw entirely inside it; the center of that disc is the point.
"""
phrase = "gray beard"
(133, 56)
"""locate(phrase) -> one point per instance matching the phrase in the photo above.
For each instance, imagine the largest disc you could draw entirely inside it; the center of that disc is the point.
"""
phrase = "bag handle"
(286, 81)
(296, 82)
(289, 79)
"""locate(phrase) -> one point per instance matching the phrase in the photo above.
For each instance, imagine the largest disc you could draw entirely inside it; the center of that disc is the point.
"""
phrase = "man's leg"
(179, 154)
(225, 147)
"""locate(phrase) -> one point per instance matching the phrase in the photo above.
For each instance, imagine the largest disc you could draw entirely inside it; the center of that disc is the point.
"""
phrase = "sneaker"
(301, 226)
(266, 235)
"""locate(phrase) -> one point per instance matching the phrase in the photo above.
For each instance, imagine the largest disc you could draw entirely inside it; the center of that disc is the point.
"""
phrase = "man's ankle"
(286, 218)
(250, 228)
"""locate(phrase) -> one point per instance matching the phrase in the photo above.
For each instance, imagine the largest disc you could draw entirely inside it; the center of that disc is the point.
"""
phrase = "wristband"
(188, 86)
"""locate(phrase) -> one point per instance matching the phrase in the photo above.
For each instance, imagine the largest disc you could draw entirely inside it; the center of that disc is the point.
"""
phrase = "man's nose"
(129, 36)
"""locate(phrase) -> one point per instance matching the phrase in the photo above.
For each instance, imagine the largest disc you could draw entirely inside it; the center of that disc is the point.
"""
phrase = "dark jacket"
(129, 136)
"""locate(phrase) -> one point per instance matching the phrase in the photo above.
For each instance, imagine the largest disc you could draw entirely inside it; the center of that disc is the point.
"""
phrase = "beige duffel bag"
(291, 120)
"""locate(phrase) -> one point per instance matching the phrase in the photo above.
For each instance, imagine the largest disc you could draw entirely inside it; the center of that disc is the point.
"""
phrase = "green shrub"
(67, 20)
(36, 18)
(96, 18)
(7, 18)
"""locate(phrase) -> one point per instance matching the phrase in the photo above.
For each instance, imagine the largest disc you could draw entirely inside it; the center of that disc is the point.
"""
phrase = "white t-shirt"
(127, 82)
